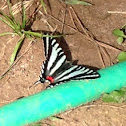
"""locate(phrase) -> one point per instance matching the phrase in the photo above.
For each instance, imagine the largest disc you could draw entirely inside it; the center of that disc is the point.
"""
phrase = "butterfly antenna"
(35, 84)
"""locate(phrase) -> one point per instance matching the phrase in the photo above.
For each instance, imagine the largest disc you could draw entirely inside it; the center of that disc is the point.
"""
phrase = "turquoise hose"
(62, 97)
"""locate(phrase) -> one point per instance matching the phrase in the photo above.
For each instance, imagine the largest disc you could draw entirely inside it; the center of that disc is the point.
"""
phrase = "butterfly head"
(42, 80)
(46, 79)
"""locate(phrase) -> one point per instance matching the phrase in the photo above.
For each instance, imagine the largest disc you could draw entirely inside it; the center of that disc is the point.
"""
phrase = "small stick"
(116, 12)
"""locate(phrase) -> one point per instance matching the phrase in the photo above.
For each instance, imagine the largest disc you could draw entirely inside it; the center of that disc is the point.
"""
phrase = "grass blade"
(9, 8)
(23, 16)
(8, 21)
(39, 35)
(35, 34)
(43, 5)
(75, 2)
(16, 49)
(7, 33)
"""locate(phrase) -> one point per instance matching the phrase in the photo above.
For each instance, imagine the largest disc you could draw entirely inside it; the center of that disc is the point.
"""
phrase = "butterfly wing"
(76, 72)
(73, 72)
(59, 68)
(55, 57)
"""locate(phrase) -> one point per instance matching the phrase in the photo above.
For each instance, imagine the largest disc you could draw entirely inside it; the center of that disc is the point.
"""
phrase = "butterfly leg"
(52, 85)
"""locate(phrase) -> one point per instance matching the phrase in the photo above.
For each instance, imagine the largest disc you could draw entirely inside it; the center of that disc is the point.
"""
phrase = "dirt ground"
(99, 52)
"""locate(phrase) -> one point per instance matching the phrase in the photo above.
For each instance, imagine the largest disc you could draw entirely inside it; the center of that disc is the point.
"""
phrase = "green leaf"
(14, 54)
(118, 33)
(74, 2)
(120, 40)
(122, 56)
(24, 20)
(115, 96)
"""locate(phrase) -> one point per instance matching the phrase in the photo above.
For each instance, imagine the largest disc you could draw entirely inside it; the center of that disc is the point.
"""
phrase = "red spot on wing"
(50, 79)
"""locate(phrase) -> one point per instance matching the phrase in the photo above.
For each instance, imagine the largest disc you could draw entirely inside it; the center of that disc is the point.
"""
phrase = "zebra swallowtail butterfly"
(56, 69)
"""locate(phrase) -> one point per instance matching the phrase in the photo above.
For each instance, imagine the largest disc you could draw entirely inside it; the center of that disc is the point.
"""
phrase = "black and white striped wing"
(55, 57)
(76, 72)
(59, 68)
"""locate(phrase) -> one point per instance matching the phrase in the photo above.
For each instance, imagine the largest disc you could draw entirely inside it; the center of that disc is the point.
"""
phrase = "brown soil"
(83, 48)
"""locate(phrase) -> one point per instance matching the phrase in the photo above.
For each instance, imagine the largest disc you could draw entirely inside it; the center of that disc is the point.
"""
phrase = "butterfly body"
(56, 69)
(51, 79)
